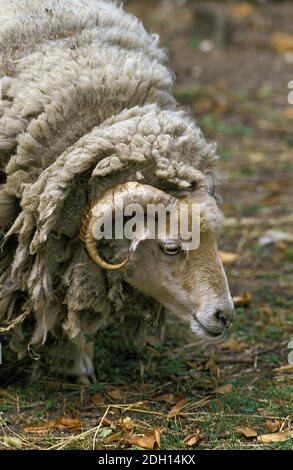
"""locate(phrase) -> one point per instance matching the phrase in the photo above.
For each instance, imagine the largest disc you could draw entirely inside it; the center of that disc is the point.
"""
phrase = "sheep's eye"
(171, 248)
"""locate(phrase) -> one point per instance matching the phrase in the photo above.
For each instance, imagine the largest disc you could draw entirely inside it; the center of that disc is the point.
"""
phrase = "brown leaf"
(273, 425)
(193, 364)
(108, 422)
(246, 431)
(243, 299)
(232, 344)
(242, 10)
(153, 340)
(72, 424)
(113, 438)
(63, 423)
(158, 436)
(38, 429)
(224, 389)
(288, 114)
(149, 441)
(193, 439)
(272, 199)
(166, 398)
(275, 437)
(176, 409)
(276, 185)
(227, 257)
(213, 368)
(256, 157)
(128, 423)
(285, 368)
(97, 399)
(281, 42)
(116, 394)
(281, 246)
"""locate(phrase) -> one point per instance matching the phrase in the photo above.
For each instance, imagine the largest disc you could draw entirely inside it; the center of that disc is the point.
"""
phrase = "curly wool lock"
(85, 104)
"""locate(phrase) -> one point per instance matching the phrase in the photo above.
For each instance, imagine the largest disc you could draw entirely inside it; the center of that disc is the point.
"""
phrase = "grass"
(212, 123)
(257, 393)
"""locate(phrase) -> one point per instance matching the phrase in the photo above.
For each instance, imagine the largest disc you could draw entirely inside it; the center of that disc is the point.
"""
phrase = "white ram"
(86, 111)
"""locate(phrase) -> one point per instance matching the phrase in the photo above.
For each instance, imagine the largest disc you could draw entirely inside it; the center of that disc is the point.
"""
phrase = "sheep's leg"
(84, 368)
(69, 361)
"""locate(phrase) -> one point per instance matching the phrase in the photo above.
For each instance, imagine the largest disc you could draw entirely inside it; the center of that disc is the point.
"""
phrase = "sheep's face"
(191, 283)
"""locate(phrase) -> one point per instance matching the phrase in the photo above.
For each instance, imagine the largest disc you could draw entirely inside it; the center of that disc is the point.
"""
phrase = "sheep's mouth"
(205, 331)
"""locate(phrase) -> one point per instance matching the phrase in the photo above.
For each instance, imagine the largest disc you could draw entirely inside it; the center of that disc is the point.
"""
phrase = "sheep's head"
(190, 282)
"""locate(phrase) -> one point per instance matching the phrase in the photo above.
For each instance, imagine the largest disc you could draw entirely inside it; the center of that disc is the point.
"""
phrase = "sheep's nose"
(225, 317)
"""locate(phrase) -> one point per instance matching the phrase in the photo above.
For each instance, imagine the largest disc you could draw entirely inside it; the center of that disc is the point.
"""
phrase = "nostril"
(223, 318)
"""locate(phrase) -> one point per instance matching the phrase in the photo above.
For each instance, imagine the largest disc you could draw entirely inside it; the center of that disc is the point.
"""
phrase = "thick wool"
(85, 104)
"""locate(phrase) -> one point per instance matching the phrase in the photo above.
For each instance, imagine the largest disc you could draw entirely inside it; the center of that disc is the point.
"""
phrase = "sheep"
(87, 114)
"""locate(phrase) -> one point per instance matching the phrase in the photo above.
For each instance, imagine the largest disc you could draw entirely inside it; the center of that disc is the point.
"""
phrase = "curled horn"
(130, 193)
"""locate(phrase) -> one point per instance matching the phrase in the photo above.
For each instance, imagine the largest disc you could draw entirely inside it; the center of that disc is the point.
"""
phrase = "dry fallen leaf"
(276, 185)
(242, 10)
(149, 441)
(227, 257)
(273, 425)
(177, 409)
(288, 113)
(281, 42)
(38, 429)
(232, 344)
(256, 157)
(166, 398)
(281, 246)
(213, 368)
(62, 424)
(193, 364)
(116, 394)
(224, 389)
(275, 437)
(72, 424)
(108, 422)
(128, 423)
(112, 438)
(97, 399)
(243, 299)
(192, 439)
(285, 368)
(153, 340)
(158, 436)
(246, 431)
(272, 199)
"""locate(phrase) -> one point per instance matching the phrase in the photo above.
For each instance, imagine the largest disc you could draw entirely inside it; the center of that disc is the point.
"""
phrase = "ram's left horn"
(129, 193)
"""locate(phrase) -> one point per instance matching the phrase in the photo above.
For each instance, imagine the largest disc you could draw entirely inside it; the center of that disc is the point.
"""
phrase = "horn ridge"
(130, 192)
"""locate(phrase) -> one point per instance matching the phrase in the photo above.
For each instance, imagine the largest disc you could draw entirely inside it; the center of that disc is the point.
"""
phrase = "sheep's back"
(66, 67)
(85, 104)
